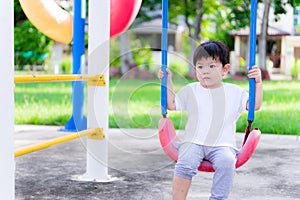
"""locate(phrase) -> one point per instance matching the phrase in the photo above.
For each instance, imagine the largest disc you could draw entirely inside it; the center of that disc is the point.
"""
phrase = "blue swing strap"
(164, 56)
(251, 63)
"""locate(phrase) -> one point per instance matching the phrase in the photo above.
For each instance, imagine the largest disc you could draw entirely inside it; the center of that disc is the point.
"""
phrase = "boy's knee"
(185, 171)
(225, 163)
(188, 161)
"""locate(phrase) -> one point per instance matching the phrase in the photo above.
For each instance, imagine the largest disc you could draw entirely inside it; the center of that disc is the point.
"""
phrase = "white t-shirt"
(212, 113)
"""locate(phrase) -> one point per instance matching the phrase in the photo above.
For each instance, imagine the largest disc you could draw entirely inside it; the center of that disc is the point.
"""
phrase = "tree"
(194, 30)
(237, 15)
(204, 19)
(262, 44)
(126, 54)
(219, 17)
(152, 8)
(31, 46)
(148, 10)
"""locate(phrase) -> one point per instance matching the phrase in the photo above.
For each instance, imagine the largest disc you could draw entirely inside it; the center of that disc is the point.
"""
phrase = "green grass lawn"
(280, 112)
(43, 103)
(136, 104)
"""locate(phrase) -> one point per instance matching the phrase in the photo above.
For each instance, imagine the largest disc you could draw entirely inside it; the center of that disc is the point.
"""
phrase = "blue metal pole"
(164, 56)
(78, 121)
(252, 59)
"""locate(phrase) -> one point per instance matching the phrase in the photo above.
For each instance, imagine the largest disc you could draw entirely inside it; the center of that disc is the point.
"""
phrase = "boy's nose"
(205, 70)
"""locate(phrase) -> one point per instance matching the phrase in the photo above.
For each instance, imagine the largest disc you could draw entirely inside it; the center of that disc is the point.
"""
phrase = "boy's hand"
(255, 73)
(161, 74)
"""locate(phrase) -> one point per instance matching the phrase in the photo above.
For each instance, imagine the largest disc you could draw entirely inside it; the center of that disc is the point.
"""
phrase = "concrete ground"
(143, 172)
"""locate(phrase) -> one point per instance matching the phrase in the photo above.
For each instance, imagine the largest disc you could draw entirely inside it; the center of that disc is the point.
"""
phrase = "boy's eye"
(199, 67)
(212, 66)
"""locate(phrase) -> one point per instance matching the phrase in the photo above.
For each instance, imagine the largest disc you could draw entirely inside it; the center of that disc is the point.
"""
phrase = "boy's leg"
(189, 159)
(180, 188)
(223, 160)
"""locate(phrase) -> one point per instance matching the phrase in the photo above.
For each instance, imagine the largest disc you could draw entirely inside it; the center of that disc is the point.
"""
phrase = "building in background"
(283, 42)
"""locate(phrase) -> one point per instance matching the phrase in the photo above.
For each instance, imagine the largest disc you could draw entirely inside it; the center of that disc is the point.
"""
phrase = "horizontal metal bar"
(52, 78)
(43, 145)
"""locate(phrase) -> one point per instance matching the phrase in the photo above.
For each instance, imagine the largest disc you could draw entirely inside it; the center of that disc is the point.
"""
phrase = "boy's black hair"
(214, 49)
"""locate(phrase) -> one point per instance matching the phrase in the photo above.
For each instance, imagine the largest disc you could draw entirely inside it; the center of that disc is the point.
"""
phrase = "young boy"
(213, 108)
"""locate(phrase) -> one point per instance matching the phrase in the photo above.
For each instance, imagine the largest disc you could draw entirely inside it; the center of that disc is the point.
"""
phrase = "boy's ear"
(226, 69)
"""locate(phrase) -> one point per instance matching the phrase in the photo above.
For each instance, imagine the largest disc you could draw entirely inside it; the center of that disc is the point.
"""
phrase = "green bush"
(295, 70)
(66, 65)
(31, 46)
(114, 54)
(180, 68)
(140, 50)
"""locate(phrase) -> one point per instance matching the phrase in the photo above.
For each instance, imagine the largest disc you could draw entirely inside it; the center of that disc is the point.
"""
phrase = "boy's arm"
(171, 95)
(170, 91)
(256, 73)
(258, 95)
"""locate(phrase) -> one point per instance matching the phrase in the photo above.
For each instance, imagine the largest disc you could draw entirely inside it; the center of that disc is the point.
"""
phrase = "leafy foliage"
(31, 46)
(280, 7)
(140, 50)
(19, 15)
(147, 11)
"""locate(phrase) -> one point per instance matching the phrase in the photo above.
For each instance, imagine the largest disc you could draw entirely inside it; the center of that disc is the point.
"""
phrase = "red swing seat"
(167, 136)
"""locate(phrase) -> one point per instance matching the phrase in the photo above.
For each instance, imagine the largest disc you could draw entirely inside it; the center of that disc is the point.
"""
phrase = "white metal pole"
(7, 166)
(98, 63)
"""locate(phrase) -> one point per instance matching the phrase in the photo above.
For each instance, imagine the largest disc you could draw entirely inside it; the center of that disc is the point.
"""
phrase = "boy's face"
(210, 72)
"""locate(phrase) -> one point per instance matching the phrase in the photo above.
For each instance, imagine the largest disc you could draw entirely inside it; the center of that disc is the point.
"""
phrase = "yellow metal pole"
(99, 79)
(98, 133)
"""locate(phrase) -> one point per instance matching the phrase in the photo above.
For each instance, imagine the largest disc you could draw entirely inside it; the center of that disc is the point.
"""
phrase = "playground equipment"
(57, 24)
(78, 121)
(49, 18)
(167, 134)
(97, 121)
(96, 79)
(7, 167)
(94, 134)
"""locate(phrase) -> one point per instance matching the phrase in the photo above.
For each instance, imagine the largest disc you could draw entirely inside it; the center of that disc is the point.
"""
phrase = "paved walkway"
(144, 172)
